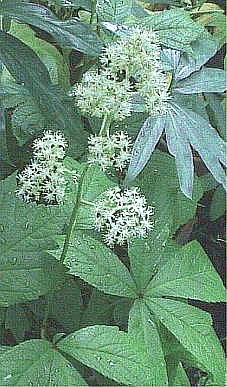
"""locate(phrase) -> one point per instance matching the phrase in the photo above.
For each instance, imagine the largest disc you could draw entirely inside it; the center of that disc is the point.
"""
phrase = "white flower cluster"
(121, 215)
(111, 151)
(43, 179)
(132, 65)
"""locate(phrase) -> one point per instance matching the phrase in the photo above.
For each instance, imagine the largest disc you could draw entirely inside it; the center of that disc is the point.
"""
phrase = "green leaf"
(175, 28)
(97, 265)
(218, 204)
(69, 34)
(145, 336)
(207, 80)
(203, 50)
(85, 4)
(119, 11)
(203, 138)
(34, 362)
(193, 328)
(66, 306)
(144, 146)
(178, 376)
(179, 147)
(216, 113)
(17, 321)
(99, 310)
(160, 185)
(48, 54)
(27, 69)
(25, 231)
(219, 22)
(208, 182)
(3, 144)
(192, 277)
(111, 353)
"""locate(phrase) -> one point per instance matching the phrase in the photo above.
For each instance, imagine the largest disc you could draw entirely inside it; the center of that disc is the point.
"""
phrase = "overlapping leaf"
(24, 233)
(207, 80)
(69, 34)
(34, 362)
(110, 352)
(145, 337)
(97, 265)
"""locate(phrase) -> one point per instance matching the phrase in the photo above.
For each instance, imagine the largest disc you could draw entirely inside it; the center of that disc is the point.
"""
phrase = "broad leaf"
(175, 28)
(116, 11)
(25, 231)
(203, 138)
(145, 335)
(36, 363)
(193, 328)
(216, 113)
(69, 34)
(97, 265)
(203, 50)
(160, 185)
(192, 277)
(111, 353)
(144, 146)
(27, 69)
(207, 80)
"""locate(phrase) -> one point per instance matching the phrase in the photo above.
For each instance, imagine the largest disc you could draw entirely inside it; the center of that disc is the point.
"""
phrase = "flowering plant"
(110, 250)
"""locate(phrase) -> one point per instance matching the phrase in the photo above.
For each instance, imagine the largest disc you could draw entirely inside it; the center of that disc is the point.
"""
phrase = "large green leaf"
(193, 328)
(144, 145)
(25, 232)
(110, 352)
(69, 34)
(48, 54)
(27, 69)
(192, 277)
(175, 28)
(216, 113)
(207, 80)
(97, 265)
(36, 363)
(160, 185)
(145, 335)
(116, 11)
(202, 137)
(203, 50)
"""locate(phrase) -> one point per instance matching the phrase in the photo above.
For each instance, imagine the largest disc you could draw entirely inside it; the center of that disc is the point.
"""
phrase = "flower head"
(43, 179)
(121, 215)
(131, 65)
(112, 151)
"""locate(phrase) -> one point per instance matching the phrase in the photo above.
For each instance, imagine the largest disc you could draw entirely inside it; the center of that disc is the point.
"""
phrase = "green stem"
(73, 216)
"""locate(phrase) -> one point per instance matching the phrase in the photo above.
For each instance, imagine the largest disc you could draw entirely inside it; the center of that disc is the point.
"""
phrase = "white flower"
(111, 151)
(131, 65)
(121, 215)
(43, 179)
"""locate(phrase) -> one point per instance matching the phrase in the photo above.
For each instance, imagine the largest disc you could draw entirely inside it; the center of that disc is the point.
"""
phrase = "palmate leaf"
(145, 337)
(203, 50)
(96, 264)
(207, 80)
(193, 328)
(144, 145)
(25, 232)
(193, 276)
(36, 363)
(202, 137)
(111, 352)
(69, 34)
(175, 28)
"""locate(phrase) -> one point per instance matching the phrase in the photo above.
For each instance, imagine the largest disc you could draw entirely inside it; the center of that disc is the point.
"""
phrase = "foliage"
(96, 289)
